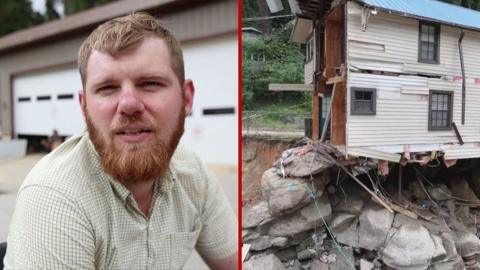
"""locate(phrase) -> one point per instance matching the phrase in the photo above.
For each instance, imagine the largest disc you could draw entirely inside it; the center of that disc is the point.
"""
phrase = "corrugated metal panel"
(432, 10)
(403, 118)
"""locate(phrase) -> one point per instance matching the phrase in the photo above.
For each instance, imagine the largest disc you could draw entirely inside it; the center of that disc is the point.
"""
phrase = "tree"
(16, 15)
(74, 6)
(50, 11)
(271, 59)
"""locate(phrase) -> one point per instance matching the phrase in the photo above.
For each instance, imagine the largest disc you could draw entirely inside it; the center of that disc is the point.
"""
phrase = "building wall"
(390, 43)
(209, 38)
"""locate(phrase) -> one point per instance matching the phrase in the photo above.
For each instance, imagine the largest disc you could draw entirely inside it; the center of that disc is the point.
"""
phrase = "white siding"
(308, 75)
(309, 67)
(390, 43)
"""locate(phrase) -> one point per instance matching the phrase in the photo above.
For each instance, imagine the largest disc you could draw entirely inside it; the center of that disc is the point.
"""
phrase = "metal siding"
(402, 101)
(431, 9)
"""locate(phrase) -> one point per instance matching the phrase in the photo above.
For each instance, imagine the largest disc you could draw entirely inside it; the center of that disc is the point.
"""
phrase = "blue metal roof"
(431, 10)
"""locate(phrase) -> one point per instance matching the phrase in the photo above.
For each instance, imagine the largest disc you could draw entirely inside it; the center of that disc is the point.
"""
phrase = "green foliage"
(17, 14)
(74, 6)
(50, 12)
(272, 59)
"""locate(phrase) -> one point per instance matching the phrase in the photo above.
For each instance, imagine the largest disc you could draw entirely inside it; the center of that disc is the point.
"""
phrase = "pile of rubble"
(321, 212)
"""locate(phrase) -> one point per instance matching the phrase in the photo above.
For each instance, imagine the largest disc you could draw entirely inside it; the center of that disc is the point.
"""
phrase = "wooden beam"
(338, 121)
(315, 116)
(290, 87)
(335, 79)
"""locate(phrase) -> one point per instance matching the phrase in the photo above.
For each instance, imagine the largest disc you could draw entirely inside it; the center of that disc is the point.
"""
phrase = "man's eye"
(106, 88)
(150, 84)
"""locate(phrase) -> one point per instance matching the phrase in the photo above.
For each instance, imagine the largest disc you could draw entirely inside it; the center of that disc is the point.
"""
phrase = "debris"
(313, 217)
(383, 167)
(268, 262)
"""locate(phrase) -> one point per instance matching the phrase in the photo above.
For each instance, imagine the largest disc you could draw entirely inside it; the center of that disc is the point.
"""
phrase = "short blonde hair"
(125, 32)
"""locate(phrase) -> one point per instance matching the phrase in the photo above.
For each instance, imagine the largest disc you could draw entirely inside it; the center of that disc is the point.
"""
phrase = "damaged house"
(394, 81)
(393, 76)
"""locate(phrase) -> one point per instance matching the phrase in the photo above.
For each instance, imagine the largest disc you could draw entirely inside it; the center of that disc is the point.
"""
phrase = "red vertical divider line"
(239, 33)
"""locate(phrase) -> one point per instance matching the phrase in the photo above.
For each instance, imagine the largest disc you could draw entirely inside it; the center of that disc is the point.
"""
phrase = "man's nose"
(130, 102)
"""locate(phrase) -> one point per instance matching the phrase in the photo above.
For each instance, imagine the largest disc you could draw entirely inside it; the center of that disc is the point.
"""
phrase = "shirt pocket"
(182, 245)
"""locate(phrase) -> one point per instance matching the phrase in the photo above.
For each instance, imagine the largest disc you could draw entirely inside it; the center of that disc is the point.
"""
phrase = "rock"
(451, 261)
(249, 235)
(308, 218)
(306, 254)
(268, 262)
(461, 189)
(295, 165)
(261, 243)
(409, 245)
(284, 195)
(342, 263)
(366, 265)
(463, 215)
(253, 216)
(279, 241)
(296, 265)
(287, 254)
(352, 201)
(318, 265)
(345, 229)
(439, 192)
(417, 191)
(298, 238)
(467, 243)
(439, 251)
(306, 243)
(375, 222)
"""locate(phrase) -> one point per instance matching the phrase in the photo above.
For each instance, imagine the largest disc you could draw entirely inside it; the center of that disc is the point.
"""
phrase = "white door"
(47, 100)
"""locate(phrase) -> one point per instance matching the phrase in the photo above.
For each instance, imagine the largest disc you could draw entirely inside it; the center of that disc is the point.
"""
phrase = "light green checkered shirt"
(72, 215)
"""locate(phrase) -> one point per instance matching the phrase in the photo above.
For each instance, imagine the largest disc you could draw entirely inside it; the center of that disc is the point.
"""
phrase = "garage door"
(47, 100)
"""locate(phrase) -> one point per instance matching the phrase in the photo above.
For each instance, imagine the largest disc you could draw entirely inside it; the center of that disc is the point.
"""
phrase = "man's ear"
(83, 102)
(188, 91)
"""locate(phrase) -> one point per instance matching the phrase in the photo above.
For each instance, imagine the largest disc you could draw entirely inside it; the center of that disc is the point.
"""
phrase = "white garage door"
(212, 130)
(47, 100)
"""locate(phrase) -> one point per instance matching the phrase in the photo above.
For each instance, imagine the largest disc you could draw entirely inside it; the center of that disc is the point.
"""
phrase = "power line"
(266, 18)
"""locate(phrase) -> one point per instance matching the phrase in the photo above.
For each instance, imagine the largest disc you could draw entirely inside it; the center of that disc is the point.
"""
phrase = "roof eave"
(408, 15)
(82, 20)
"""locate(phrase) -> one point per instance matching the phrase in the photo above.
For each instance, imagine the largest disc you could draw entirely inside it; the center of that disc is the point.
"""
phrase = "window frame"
(450, 110)
(353, 110)
(309, 49)
(437, 43)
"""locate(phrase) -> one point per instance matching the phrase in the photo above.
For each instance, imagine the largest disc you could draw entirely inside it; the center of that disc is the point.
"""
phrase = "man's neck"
(142, 193)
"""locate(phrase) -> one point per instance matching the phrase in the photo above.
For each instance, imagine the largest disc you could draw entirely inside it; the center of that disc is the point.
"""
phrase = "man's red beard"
(135, 163)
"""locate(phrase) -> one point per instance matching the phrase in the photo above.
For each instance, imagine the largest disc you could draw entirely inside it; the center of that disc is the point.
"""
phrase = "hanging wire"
(337, 246)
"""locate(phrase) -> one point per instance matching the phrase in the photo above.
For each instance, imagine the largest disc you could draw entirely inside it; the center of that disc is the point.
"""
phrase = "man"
(122, 195)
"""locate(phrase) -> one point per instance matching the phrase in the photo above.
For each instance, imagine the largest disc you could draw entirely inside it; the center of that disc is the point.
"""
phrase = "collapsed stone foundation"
(319, 211)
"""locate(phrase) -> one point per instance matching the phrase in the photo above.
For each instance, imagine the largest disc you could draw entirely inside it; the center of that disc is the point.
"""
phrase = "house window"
(309, 50)
(363, 100)
(440, 110)
(428, 42)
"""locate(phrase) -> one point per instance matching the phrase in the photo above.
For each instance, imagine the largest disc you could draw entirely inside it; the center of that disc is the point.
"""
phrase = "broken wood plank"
(457, 133)
(402, 210)
(334, 80)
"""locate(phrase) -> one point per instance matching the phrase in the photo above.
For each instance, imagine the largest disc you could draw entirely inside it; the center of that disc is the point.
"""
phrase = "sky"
(39, 5)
